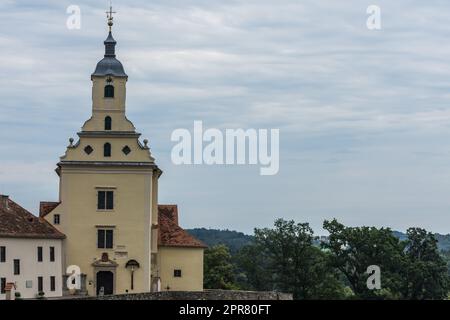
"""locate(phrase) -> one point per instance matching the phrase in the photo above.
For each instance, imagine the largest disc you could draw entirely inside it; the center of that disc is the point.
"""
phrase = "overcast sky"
(364, 116)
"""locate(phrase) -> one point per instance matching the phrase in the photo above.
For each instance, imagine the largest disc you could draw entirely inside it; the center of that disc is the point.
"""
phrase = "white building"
(30, 253)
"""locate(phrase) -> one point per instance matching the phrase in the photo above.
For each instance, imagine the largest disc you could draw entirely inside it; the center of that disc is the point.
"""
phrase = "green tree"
(253, 269)
(354, 249)
(427, 276)
(411, 269)
(219, 272)
(289, 262)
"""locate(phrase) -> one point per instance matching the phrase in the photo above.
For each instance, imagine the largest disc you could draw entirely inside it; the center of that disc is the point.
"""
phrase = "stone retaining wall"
(203, 295)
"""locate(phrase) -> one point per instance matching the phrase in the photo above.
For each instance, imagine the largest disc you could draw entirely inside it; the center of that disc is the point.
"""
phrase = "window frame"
(105, 238)
(105, 200)
(16, 267)
(109, 91)
(177, 273)
(52, 254)
(52, 283)
(2, 285)
(40, 254)
(88, 149)
(40, 284)
(107, 150)
(108, 123)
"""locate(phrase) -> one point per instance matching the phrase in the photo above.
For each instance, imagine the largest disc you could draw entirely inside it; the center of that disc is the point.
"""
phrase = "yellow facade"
(85, 171)
(189, 261)
(130, 221)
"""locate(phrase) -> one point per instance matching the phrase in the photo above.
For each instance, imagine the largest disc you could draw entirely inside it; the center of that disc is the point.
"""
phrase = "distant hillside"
(443, 240)
(236, 240)
(402, 236)
(232, 239)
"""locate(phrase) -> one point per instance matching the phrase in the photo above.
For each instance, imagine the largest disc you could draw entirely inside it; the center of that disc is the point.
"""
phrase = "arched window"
(107, 150)
(109, 91)
(108, 124)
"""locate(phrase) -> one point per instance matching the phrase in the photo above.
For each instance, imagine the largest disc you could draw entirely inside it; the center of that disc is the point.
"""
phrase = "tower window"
(126, 150)
(109, 91)
(88, 150)
(56, 219)
(105, 200)
(107, 150)
(108, 123)
(105, 239)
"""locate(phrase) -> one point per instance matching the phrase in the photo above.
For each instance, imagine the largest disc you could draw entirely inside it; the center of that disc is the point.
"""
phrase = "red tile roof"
(17, 222)
(170, 211)
(46, 207)
(170, 234)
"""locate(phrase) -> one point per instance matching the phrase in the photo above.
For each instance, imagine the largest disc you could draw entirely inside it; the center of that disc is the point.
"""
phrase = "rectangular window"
(39, 254)
(177, 273)
(52, 283)
(40, 284)
(16, 267)
(105, 200)
(3, 285)
(52, 254)
(56, 219)
(109, 239)
(101, 239)
(2, 254)
(109, 200)
(105, 239)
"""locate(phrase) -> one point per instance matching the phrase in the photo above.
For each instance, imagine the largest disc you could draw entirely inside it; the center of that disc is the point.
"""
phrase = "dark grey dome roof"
(109, 65)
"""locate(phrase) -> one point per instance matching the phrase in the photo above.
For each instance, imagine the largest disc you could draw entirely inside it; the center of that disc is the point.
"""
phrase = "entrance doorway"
(105, 282)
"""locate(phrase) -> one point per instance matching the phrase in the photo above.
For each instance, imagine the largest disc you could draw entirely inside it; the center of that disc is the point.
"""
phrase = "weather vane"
(109, 14)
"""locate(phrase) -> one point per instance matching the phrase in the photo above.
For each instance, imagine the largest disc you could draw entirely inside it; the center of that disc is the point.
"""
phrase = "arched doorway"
(105, 280)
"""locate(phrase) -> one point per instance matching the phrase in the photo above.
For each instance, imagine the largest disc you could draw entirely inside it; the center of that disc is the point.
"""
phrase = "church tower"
(108, 199)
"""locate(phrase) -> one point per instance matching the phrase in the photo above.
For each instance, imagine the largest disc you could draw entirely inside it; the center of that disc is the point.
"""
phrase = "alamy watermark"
(73, 277)
(234, 146)
(374, 20)
(73, 22)
(374, 279)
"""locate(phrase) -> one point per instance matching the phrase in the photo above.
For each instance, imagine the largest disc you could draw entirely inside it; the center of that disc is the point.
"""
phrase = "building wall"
(135, 192)
(189, 261)
(30, 269)
(130, 220)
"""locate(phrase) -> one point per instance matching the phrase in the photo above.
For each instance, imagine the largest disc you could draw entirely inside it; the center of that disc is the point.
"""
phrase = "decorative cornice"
(108, 164)
(100, 134)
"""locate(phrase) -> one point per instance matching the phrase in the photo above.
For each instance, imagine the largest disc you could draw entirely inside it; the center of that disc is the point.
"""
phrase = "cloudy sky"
(364, 116)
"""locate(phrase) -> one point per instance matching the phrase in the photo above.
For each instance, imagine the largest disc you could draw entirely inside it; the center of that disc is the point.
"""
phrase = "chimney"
(4, 202)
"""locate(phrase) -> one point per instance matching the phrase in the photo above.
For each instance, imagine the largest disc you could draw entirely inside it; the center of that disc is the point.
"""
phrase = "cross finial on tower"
(109, 15)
